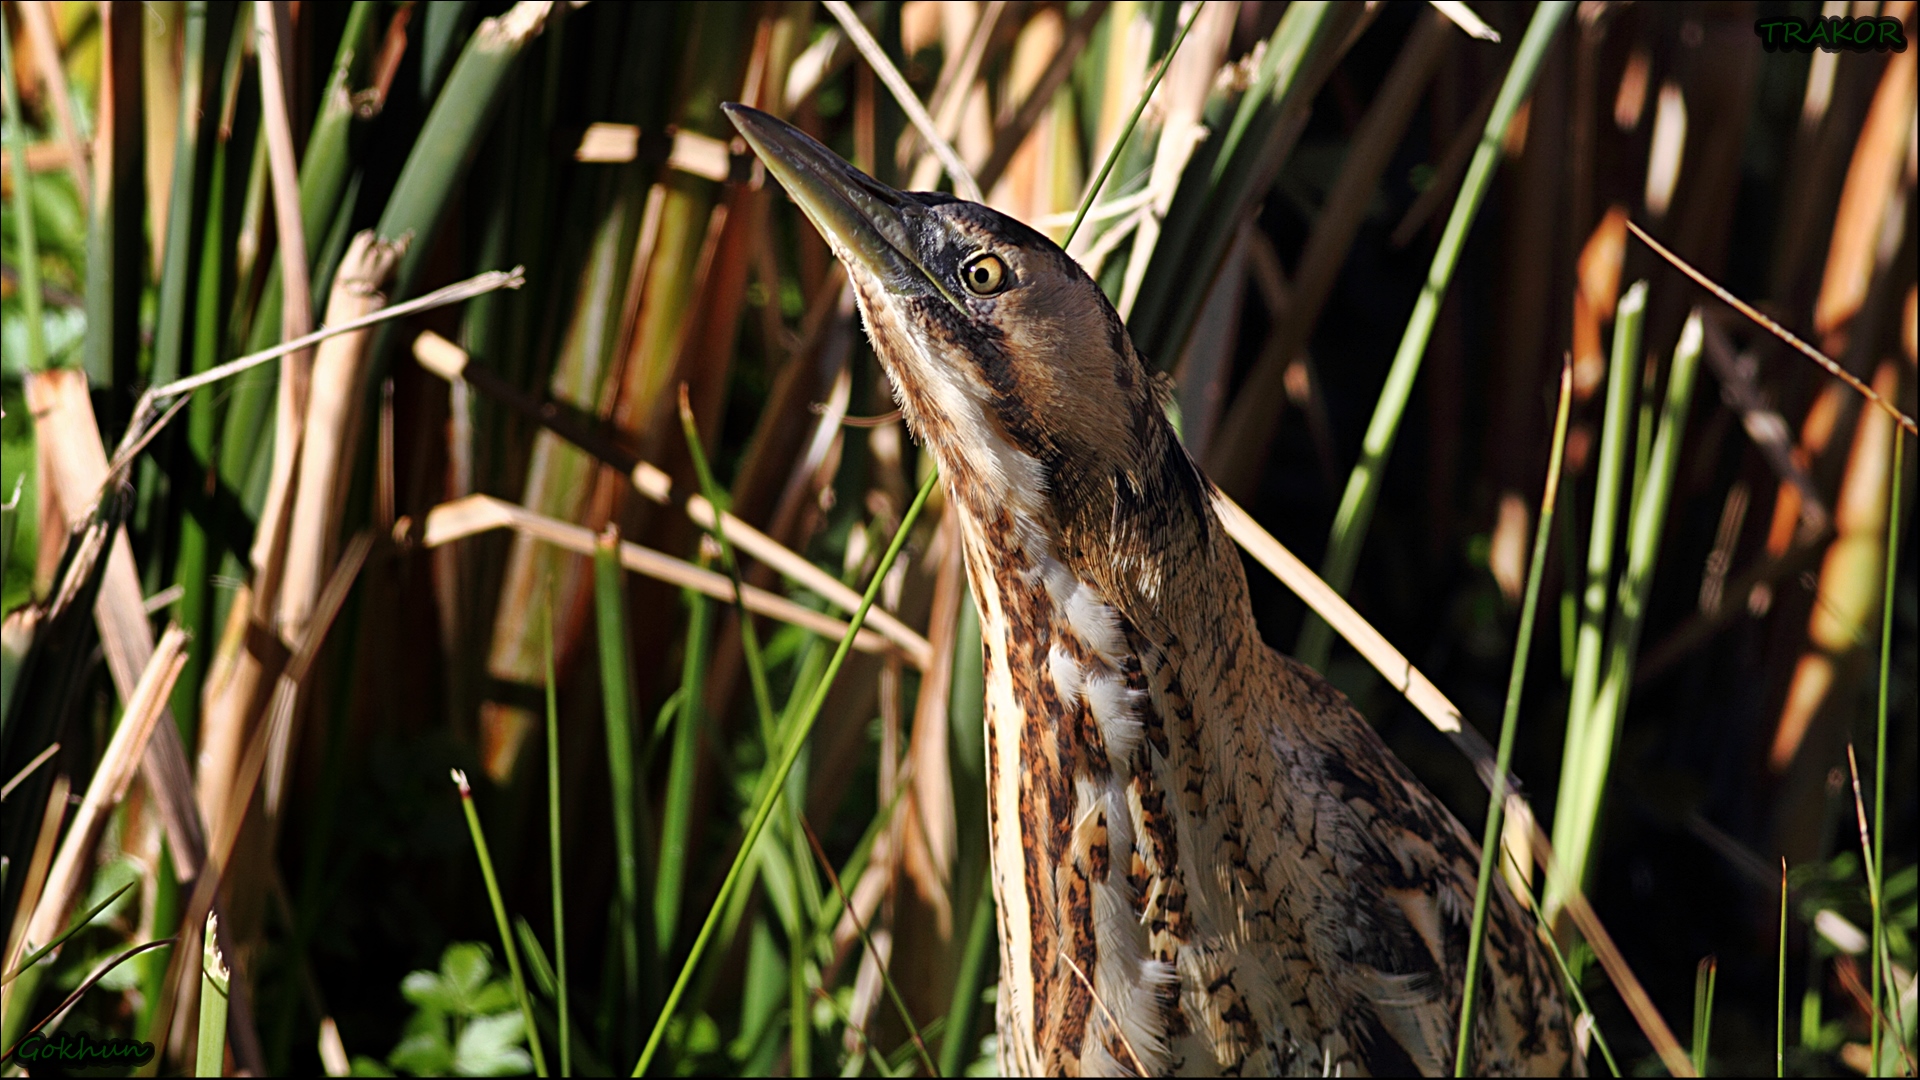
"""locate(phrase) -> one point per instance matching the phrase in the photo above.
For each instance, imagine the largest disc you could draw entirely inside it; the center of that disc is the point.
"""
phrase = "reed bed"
(624, 532)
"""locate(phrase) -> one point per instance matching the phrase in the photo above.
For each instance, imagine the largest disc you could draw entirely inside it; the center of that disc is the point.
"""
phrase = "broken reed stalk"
(215, 981)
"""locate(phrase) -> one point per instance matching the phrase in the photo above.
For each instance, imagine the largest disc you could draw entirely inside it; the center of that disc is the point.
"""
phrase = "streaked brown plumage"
(1205, 861)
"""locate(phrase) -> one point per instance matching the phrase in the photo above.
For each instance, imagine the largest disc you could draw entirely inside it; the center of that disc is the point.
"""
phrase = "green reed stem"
(1126, 131)
(1591, 638)
(553, 845)
(29, 240)
(617, 701)
(966, 985)
(1880, 738)
(1780, 993)
(500, 920)
(1590, 759)
(1510, 718)
(676, 819)
(770, 792)
(749, 638)
(1704, 979)
(1350, 523)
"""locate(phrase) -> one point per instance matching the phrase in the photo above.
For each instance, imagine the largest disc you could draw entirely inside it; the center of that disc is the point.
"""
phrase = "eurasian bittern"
(1205, 860)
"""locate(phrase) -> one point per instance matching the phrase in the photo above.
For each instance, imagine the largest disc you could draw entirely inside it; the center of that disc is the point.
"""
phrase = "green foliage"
(465, 1021)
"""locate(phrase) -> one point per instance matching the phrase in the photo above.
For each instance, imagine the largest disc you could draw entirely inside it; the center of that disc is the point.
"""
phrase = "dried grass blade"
(449, 361)
(272, 22)
(69, 441)
(336, 388)
(893, 992)
(480, 513)
(87, 984)
(1390, 662)
(45, 42)
(78, 924)
(964, 184)
(118, 764)
(1774, 328)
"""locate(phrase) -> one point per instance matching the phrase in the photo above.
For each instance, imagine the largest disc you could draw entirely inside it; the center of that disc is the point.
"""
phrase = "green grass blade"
(28, 239)
(1363, 485)
(617, 706)
(1879, 943)
(676, 819)
(1573, 988)
(554, 849)
(749, 637)
(1704, 978)
(78, 925)
(500, 921)
(9, 524)
(799, 1015)
(1126, 132)
(211, 1058)
(966, 985)
(1580, 999)
(796, 739)
(1510, 718)
(1780, 992)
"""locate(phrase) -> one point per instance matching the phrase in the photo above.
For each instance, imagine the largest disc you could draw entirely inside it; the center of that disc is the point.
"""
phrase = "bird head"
(1005, 357)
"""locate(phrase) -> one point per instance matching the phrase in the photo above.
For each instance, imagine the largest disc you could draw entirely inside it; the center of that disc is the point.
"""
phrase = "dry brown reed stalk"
(450, 362)
(1010, 134)
(248, 663)
(338, 385)
(952, 92)
(75, 465)
(1419, 691)
(964, 184)
(1847, 599)
(1777, 330)
(929, 813)
(272, 23)
(44, 39)
(52, 817)
(182, 983)
(483, 513)
(111, 778)
(1183, 96)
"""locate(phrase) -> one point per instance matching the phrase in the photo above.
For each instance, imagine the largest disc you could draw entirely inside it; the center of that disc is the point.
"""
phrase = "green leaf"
(463, 986)
(424, 1054)
(490, 1046)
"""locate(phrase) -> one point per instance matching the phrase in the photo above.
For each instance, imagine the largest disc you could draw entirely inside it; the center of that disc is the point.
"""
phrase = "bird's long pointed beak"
(868, 224)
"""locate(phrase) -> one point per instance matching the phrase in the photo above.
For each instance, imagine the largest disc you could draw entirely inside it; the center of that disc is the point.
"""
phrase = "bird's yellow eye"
(985, 275)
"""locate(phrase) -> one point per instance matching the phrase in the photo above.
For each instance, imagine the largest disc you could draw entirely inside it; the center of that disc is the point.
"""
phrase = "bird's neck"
(1079, 613)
